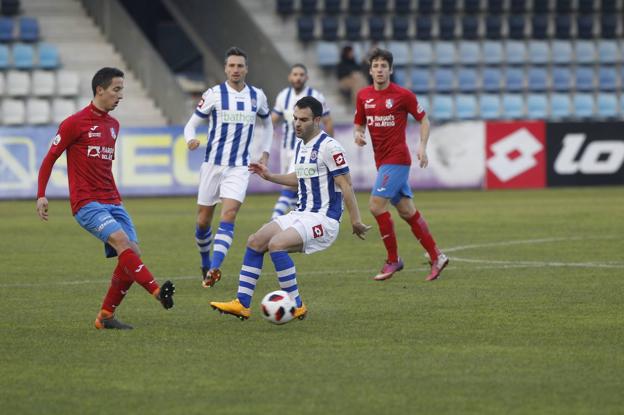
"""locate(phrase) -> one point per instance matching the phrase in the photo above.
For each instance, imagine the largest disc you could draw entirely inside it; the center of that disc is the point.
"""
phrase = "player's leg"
(207, 197)
(280, 245)
(420, 229)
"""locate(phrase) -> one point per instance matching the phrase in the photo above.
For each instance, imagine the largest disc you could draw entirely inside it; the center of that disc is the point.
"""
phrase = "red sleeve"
(360, 117)
(64, 137)
(413, 107)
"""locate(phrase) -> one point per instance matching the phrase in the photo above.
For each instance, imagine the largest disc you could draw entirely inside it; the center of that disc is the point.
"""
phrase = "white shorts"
(317, 230)
(217, 182)
(286, 156)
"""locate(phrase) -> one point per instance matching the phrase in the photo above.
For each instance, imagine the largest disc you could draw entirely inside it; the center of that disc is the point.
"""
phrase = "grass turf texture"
(518, 328)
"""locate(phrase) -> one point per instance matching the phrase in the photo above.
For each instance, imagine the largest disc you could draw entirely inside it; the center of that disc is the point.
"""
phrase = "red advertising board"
(515, 155)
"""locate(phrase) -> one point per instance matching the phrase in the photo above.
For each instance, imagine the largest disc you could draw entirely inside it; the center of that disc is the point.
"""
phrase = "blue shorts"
(392, 182)
(102, 220)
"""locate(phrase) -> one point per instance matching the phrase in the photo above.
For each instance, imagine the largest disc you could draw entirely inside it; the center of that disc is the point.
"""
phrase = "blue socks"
(222, 243)
(286, 275)
(203, 239)
(249, 274)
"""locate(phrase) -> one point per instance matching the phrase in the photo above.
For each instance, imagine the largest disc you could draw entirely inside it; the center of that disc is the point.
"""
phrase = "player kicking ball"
(321, 174)
(89, 138)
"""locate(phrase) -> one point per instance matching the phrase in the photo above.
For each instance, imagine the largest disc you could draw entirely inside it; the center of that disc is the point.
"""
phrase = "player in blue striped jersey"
(321, 173)
(283, 114)
(231, 109)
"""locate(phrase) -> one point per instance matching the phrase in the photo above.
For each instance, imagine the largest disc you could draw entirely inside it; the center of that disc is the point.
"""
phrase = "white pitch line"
(524, 242)
(541, 263)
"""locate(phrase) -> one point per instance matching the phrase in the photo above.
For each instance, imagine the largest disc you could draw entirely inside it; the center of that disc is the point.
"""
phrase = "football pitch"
(528, 318)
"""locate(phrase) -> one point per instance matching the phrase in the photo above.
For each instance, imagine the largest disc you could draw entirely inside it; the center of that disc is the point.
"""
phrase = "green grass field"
(527, 319)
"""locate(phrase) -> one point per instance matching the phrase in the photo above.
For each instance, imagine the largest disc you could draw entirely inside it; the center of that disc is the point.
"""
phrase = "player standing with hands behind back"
(382, 108)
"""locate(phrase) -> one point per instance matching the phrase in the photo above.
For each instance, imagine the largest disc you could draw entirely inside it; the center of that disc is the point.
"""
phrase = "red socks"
(386, 229)
(136, 269)
(421, 232)
(120, 284)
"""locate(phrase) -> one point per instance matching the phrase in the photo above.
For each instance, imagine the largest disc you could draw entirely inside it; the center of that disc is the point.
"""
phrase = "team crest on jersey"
(313, 155)
(389, 103)
(339, 159)
(57, 139)
(113, 133)
(317, 231)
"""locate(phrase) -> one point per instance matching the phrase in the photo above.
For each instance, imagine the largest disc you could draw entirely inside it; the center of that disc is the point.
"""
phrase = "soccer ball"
(277, 307)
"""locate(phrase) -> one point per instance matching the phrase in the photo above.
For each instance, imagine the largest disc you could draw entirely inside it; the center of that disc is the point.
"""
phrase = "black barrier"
(585, 154)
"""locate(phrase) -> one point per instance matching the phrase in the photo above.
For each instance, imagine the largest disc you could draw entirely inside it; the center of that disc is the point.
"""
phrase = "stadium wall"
(464, 155)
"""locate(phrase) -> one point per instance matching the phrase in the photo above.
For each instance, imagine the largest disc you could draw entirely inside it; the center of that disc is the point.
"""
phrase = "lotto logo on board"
(317, 231)
(515, 155)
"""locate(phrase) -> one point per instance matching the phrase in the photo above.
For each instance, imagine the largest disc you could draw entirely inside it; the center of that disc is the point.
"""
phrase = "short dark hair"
(235, 51)
(379, 53)
(299, 65)
(104, 77)
(312, 103)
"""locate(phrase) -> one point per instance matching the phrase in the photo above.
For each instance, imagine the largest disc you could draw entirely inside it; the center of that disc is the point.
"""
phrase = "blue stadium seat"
(444, 80)
(583, 105)
(400, 76)
(607, 78)
(513, 106)
(515, 23)
(515, 52)
(470, 27)
(446, 27)
(442, 108)
(29, 29)
(332, 6)
(584, 78)
(379, 6)
(607, 105)
(420, 80)
(585, 26)
(425, 7)
(608, 51)
(491, 79)
(423, 27)
(539, 26)
(308, 6)
(537, 79)
(23, 56)
(355, 6)
(448, 6)
(6, 29)
(466, 107)
(327, 54)
(400, 27)
(444, 53)
(490, 106)
(467, 80)
(469, 53)
(422, 53)
(539, 52)
(4, 57)
(402, 7)
(493, 24)
(586, 6)
(376, 28)
(585, 52)
(285, 7)
(608, 26)
(561, 78)
(518, 6)
(537, 106)
(562, 52)
(540, 6)
(560, 105)
(472, 6)
(400, 52)
(563, 6)
(353, 28)
(514, 80)
(329, 26)
(492, 53)
(563, 26)
(305, 28)
(494, 6)
(48, 56)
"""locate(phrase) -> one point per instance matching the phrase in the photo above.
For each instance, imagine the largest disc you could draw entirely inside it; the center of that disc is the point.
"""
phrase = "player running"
(382, 108)
(321, 172)
(231, 109)
(89, 137)
(283, 112)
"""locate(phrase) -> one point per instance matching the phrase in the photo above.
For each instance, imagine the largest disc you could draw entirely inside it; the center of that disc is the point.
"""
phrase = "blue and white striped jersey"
(232, 117)
(285, 105)
(316, 164)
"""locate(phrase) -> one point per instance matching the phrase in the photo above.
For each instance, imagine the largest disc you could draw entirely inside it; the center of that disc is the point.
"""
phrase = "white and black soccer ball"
(277, 307)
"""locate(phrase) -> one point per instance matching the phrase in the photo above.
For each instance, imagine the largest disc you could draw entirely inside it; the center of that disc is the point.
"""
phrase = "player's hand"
(422, 157)
(42, 208)
(359, 229)
(359, 138)
(264, 158)
(193, 144)
(259, 169)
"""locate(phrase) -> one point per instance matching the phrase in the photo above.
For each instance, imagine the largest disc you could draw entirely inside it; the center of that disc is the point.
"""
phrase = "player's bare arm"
(344, 183)
(359, 135)
(263, 171)
(190, 130)
(424, 138)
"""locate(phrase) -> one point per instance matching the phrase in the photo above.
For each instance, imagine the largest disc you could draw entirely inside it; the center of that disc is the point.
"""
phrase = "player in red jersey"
(383, 108)
(89, 138)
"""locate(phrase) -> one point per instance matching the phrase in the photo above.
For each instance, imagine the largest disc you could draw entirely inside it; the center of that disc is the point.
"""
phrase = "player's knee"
(256, 243)
(405, 214)
(376, 210)
(119, 240)
(276, 245)
(229, 215)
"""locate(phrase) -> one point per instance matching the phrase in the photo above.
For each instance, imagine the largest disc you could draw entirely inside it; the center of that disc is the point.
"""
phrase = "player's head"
(380, 65)
(307, 117)
(107, 85)
(298, 76)
(235, 65)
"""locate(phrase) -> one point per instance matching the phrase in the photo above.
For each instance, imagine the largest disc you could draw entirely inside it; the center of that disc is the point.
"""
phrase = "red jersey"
(385, 114)
(89, 137)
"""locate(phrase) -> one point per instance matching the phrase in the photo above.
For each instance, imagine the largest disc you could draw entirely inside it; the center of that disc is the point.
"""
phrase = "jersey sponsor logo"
(57, 140)
(339, 159)
(370, 120)
(380, 120)
(93, 151)
(94, 128)
(104, 153)
(113, 133)
(92, 133)
(514, 154)
(317, 231)
(306, 171)
(313, 155)
(599, 157)
(237, 117)
(389, 103)
(104, 224)
(369, 103)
